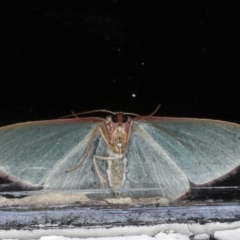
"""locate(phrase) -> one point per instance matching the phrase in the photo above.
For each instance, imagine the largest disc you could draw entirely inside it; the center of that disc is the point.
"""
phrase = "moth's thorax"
(118, 127)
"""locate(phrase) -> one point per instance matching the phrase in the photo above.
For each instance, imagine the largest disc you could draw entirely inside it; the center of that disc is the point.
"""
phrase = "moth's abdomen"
(117, 172)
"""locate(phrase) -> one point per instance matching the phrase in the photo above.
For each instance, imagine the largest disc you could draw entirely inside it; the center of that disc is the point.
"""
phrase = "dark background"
(82, 55)
(118, 55)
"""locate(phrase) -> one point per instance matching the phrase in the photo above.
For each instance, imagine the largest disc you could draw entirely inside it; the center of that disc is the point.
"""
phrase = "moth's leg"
(98, 129)
(105, 158)
(104, 135)
(99, 173)
(79, 164)
(88, 152)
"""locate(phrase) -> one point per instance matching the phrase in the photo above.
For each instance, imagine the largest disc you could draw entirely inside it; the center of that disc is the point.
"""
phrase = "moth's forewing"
(30, 152)
(85, 176)
(211, 147)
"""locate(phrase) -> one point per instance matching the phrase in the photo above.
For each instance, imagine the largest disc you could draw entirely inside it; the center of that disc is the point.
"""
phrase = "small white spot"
(143, 63)
(120, 129)
(134, 95)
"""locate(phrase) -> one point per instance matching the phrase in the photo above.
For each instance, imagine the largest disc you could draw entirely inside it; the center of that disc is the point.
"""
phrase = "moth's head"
(118, 126)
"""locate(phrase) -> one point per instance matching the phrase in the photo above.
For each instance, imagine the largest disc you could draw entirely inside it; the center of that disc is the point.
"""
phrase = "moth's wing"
(84, 176)
(151, 167)
(31, 152)
(210, 149)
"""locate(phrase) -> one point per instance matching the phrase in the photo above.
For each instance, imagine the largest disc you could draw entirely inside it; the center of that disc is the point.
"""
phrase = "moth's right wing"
(37, 154)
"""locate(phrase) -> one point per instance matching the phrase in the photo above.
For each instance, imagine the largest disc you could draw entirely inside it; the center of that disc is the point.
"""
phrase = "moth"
(127, 154)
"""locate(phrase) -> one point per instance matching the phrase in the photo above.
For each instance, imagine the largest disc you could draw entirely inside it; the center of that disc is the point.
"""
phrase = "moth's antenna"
(82, 113)
(73, 113)
(132, 114)
(158, 106)
(137, 115)
(103, 110)
(142, 117)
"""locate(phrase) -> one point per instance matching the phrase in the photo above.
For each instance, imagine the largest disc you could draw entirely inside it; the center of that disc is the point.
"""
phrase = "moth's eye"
(125, 118)
(114, 118)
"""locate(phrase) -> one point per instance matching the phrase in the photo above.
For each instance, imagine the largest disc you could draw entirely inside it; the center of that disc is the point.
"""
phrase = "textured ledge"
(109, 216)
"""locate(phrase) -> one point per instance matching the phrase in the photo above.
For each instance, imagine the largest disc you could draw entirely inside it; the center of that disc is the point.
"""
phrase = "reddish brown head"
(118, 128)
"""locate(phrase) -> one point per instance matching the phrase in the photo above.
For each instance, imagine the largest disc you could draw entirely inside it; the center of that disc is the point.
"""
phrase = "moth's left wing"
(210, 149)
(151, 169)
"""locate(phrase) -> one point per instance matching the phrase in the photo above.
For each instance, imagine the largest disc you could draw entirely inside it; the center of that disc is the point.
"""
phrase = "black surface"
(60, 56)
